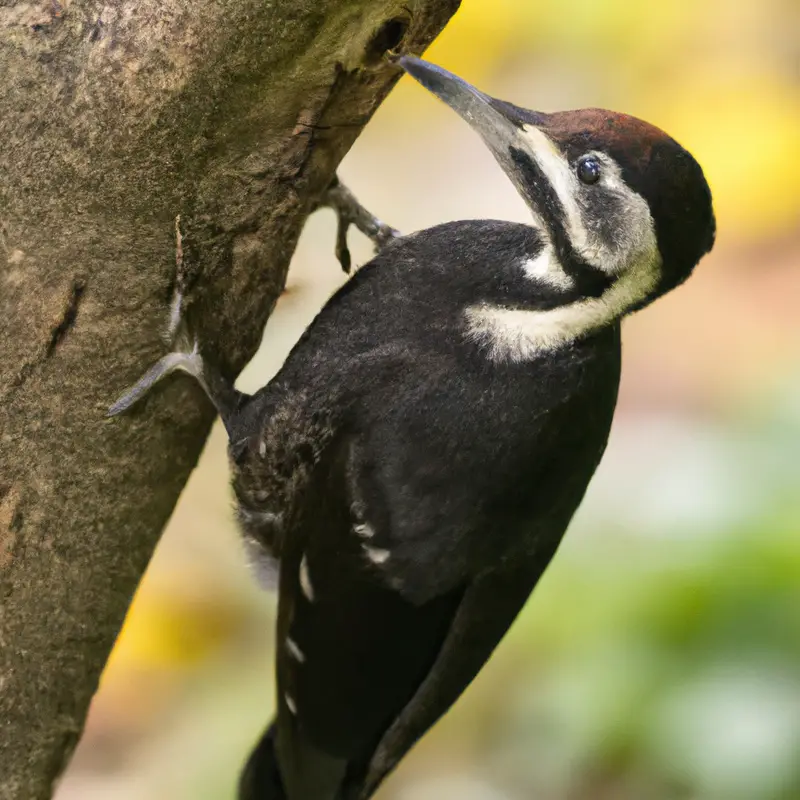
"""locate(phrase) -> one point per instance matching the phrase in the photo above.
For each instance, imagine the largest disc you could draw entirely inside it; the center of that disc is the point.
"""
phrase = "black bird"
(415, 463)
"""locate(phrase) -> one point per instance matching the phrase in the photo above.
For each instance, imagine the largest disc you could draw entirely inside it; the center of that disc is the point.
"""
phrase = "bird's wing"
(362, 670)
(488, 607)
(350, 651)
(398, 580)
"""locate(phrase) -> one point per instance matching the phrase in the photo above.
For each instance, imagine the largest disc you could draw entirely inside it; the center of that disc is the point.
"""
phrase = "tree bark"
(115, 119)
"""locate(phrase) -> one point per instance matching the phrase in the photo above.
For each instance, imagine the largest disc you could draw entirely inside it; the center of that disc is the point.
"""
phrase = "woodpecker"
(415, 463)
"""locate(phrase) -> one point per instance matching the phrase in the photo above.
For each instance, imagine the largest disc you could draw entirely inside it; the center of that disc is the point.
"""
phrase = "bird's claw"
(350, 212)
(184, 354)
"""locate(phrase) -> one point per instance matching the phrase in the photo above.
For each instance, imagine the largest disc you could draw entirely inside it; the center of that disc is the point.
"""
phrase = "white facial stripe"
(511, 334)
(636, 237)
(559, 174)
(546, 269)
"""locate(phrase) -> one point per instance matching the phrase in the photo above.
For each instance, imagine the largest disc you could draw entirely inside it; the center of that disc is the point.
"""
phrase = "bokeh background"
(659, 658)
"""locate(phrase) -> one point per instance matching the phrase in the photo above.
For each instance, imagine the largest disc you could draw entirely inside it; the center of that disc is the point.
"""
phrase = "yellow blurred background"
(659, 659)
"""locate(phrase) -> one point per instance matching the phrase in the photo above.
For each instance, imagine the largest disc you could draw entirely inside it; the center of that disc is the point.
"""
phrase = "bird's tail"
(261, 778)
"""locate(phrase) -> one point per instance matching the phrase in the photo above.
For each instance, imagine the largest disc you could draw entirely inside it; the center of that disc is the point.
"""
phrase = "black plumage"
(414, 464)
(466, 471)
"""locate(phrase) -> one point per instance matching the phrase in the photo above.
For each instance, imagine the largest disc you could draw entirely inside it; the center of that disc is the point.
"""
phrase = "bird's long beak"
(506, 129)
(498, 123)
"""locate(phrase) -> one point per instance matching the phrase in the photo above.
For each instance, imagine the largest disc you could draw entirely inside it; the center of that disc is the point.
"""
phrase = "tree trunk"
(117, 118)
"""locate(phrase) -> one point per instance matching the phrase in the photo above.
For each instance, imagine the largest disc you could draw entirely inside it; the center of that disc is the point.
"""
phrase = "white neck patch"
(514, 334)
(631, 259)
(547, 270)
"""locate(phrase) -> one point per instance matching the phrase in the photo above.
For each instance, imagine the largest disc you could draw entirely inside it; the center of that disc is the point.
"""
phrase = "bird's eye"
(589, 170)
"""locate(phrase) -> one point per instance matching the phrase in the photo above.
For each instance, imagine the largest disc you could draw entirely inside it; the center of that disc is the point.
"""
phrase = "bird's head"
(621, 202)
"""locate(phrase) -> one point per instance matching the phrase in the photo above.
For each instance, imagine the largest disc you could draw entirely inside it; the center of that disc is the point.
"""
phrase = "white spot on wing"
(262, 448)
(376, 555)
(294, 650)
(290, 703)
(364, 530)
(305, 580)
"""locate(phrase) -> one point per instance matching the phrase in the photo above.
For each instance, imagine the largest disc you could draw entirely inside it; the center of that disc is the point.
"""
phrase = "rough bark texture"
(116, 117)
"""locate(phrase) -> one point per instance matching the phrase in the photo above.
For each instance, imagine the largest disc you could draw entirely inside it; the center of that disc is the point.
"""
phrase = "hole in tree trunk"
(387, 37)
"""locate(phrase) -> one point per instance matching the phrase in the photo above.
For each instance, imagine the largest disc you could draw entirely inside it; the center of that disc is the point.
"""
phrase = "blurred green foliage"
(666, 674)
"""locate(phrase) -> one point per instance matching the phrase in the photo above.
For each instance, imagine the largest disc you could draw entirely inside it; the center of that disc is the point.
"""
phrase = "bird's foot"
(350, 212)
(175, 320)
(184, 355)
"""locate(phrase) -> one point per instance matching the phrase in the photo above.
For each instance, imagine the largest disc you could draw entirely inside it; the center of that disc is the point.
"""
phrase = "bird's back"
(439, 465)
